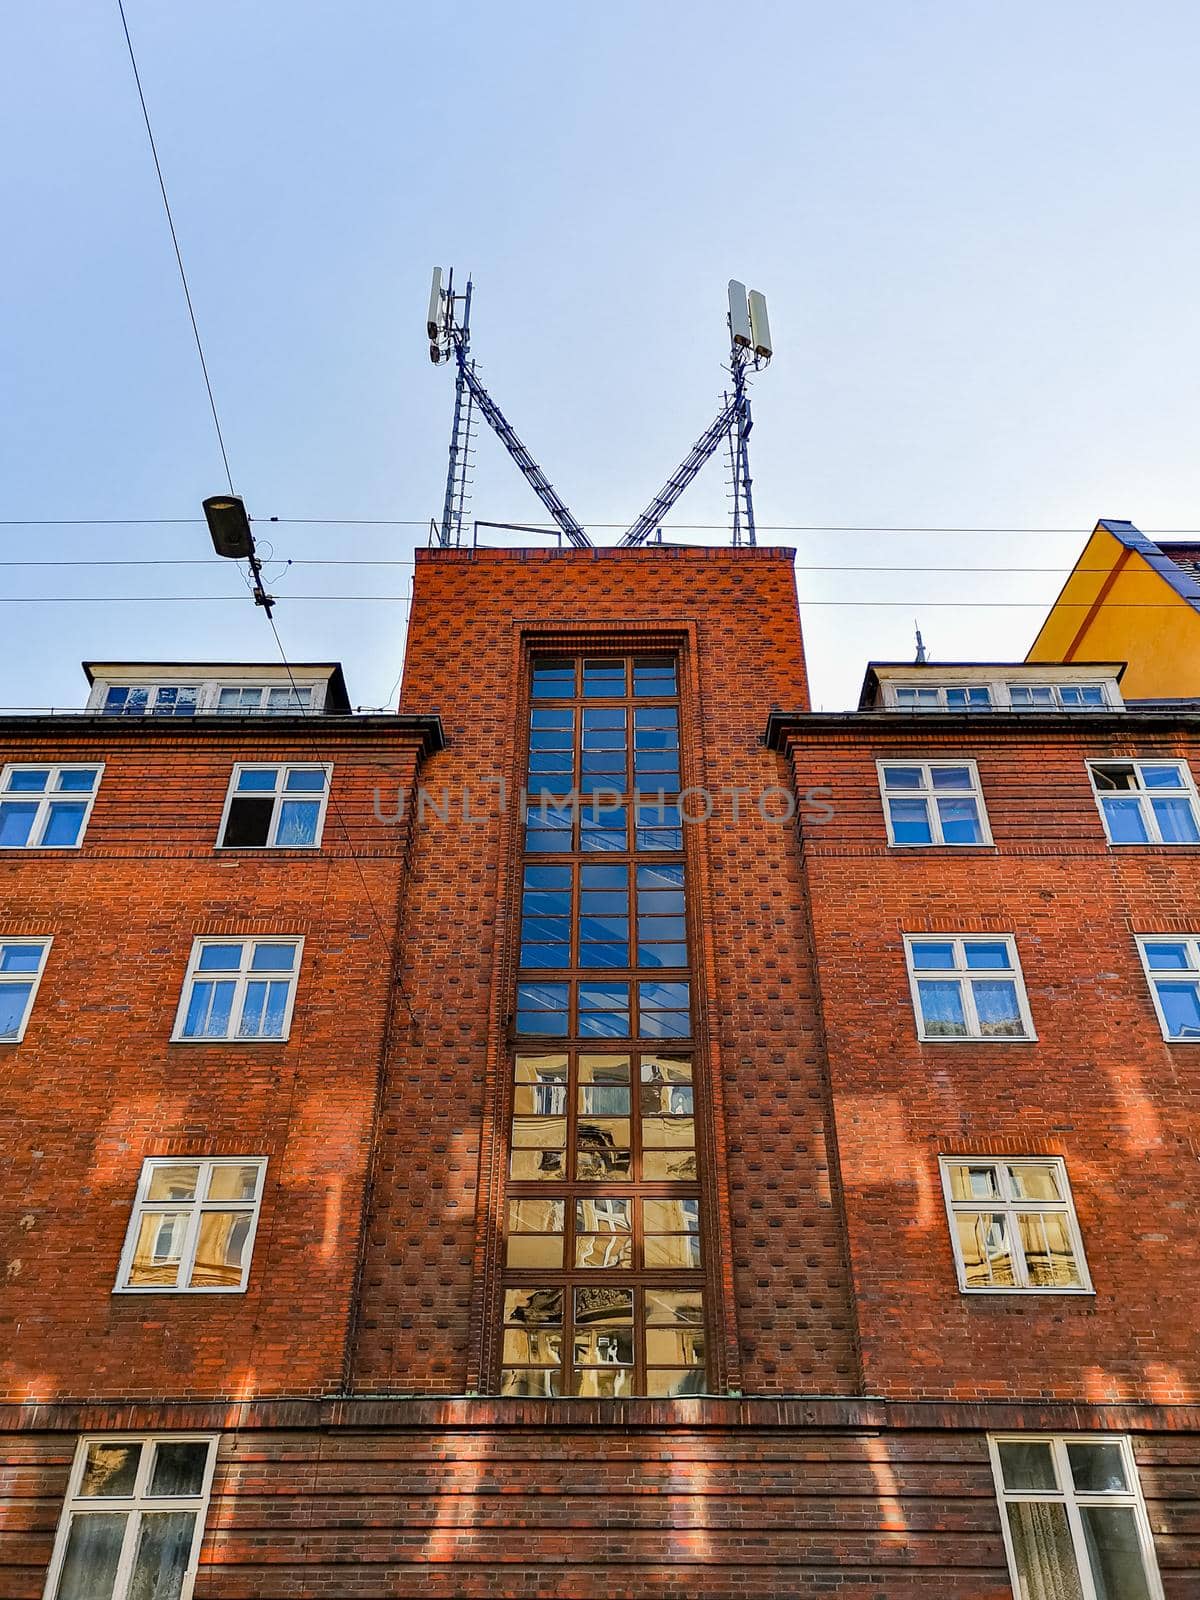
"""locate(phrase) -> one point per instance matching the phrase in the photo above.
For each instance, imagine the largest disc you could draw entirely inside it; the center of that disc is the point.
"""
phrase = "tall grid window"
(603, 1291)
(1075, 1524)
(134, 1518)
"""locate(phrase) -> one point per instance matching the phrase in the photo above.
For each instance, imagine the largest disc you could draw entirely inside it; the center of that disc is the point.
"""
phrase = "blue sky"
(977, 226)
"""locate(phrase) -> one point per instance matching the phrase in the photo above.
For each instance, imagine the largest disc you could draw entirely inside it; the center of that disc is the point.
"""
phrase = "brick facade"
(363, 1450)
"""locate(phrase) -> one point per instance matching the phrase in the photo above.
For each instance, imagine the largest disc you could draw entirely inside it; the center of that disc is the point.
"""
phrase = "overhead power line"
(400, 561)
(187, 293)
(668, 527)
(405, 602)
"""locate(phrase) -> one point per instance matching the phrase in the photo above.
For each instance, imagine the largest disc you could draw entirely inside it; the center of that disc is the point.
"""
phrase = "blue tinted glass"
(1124, 818)
(662, 955)
(552, 719)
(14, 997)
(553, 679)
(20, 957)
(305, 780)
(115, 699)
(544, 877)
(539, 841)
(604, 955)
(929, 954)
(667, 875)
(910, 822)
(604, 902)
(669, 995)
(996, 1007)
(660, 902)
(257, 779)
(661, 928)
(1167, 957)
(28, 780)
(609, 818)
(546, 930)
(76, 780)
(596, 876)
(603, 841)
(604, 678)
(16, 820)
(986, 954)
(542, 996)
(264, 1009)
(209, 1007)
(546, 955)
(950, 777)
(273, 958)
(903, 778)
(1088, 694)
(298, 822)
(1181, 1007)
(547, 903)
(549, 1024)
(603, 928)
(63, 823)
(603, 996)
(220, 958)
(1176, 821)
(654, 675)
(660, 839)
(942, 1009)
(960, 822)
(1167, 776)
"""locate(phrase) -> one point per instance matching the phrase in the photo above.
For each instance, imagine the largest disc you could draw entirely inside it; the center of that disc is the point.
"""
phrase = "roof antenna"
(921, 659)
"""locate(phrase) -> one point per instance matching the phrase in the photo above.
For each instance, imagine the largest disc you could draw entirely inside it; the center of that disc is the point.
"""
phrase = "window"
(239, 989)
(933, 802)
(133, 1519)
(967, 987)
(945, 697)
(275, 807)
(1075, 1524)
(1057, 696)
(46, 807)
(22, 962)
(1172, 967)
(1146, 802)
(153, 700)
(193, 1225)
(1012, 1225)
(279, 699)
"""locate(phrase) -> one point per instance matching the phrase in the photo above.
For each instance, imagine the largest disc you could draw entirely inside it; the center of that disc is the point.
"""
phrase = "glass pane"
(176, 1182)
(689, 1380)
(950, 777)
(179, 1467)
(1126, 825)
(984, 1249)
(1049, 1257)
(534, 1307)
(1045, 1556)
(164, 1545)
(669, 1251)
(669, 1133)
(1098, 1468)
(602, 1149)
(264, 1010)
(1181, 1009)
(998, 1010)
(535, 1383)
(987, 955)
(16, 822)
(1166, 776)
(604, 1085)
(602, 1383)
(221, 1249)
(248, 822)
(28, 780)
(1027, 1465)
(929, 955)
(63, 823)
(671, 1216)
(600, 1346)
(93, 1551)
(273, 958)
(669, 1166)
(536, 1216)
(973, 1183)
(20, 957)
(1167, 957)
(298, 821)
(220, 958)
(605, 1215)
(942, 1009)
(306, 780)
(1118, 1570)
(110, 1469)
(533, 1347)
(674, 1307)
(675, 1347)
(530, 1165)
(14, 997)
(1034, 1181)
(1176, 821)
(960, 821)
(233, 1183)
(903, 778)
(258, 779)
(543, 1252)
(654, 675)
(910, 822)
(159, 1249)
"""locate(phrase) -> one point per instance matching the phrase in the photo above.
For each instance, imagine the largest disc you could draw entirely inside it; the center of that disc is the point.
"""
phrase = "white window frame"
(930, 796)
(940, 690)
(1143, 796)
(962, 974)
(197, 1208)
(12, 979)
(1071, 1499)
(1179, 975)
(1056, 693)
(134, 1505)
(1012, 1209)
(279, 796)
(44, 800)
(263, 691)
(241, 978)
(153, 690)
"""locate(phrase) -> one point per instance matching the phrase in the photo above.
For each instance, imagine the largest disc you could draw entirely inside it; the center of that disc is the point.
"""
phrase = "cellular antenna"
(448, 326)
(749, 351)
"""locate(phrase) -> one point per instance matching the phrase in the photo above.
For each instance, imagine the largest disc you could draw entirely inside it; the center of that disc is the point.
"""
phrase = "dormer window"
(1057, 696)
(945, 697)
(275, 699)
(151, 700)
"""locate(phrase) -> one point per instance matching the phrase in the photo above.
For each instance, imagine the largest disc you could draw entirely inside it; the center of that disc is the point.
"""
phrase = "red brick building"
(764, 1162)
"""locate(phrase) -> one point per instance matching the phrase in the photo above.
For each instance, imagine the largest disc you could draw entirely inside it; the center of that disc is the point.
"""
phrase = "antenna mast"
(749, 350)
(450, 338)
